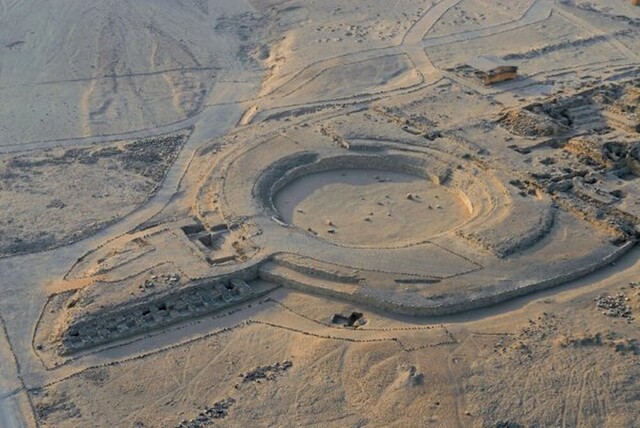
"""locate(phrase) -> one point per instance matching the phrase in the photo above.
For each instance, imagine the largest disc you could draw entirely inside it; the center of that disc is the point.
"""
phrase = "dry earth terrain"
(317, 213)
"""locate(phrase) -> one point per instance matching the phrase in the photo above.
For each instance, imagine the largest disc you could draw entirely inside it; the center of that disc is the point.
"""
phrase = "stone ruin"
(93, 318)
(611, 105)
(235, 247)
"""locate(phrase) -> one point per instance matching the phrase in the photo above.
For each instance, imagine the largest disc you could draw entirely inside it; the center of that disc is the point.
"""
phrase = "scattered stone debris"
(171, 279)
(57, 404)
(148, 284)
(560, 186)
(415, 378)
(622, 345)
(615, 306)
(523, 345)
(548, 161)
(533, 123)
(507, 424)
(219, 410)
(174, 277)
(270, 372)
(355, 320)
(433, 135)
(606, 154)
(56, 203)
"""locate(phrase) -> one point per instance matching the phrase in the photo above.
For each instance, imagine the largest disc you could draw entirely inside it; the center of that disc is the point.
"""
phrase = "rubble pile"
(536, 123)
(219, 410)
(354, 320)
(171, 279)
(615, 306)
(269, 372)
(601, 154)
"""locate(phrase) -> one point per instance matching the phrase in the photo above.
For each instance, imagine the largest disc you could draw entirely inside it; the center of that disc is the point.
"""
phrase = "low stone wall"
(491, 295)
(292, 168)
(264, 187)
(512, 290)
(316, 268)
(503, 247)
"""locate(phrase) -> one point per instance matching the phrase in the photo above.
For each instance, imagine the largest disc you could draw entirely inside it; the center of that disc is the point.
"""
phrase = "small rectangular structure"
(491, 69)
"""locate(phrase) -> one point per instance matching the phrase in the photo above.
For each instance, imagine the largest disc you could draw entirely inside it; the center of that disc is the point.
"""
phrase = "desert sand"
(368, 207)
(299, 213)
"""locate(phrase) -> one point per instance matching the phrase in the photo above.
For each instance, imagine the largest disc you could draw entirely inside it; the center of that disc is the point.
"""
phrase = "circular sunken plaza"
(408, 229)
(414, 229)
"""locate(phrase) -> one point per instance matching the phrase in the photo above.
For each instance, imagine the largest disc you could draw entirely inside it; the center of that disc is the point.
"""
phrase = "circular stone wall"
(367, 207)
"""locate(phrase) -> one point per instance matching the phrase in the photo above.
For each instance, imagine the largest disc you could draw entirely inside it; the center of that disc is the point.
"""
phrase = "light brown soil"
(539, 190)
(369, 208)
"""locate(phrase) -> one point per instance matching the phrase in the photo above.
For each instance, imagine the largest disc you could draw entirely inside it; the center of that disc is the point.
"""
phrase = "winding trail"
(15, 407)
(412, 42)
(411, 45)
(539, 11)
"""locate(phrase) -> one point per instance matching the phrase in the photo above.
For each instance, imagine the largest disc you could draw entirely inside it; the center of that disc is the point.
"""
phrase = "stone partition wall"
(86, 324)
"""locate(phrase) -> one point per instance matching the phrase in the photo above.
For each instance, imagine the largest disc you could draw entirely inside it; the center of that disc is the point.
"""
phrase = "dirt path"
(539, 11)
(615, 43)
(15, 408)
(412, 41)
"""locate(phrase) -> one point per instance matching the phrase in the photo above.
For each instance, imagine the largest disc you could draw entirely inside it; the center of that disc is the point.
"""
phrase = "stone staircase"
(307, 281)
(586, 116)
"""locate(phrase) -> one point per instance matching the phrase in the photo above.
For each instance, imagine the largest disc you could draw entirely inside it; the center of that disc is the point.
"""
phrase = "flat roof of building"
(487, 63)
